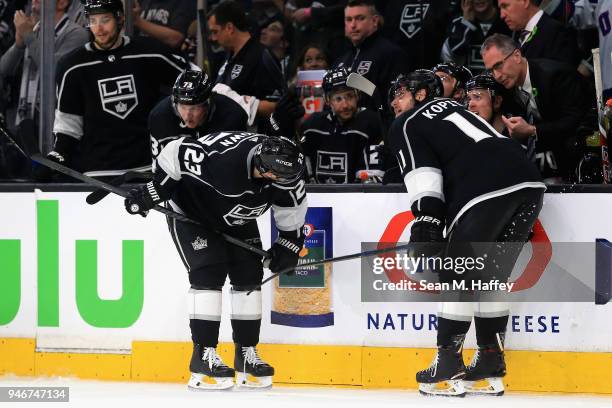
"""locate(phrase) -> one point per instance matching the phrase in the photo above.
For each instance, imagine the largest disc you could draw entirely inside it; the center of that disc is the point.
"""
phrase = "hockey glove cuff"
(429, 231)
(142, 199)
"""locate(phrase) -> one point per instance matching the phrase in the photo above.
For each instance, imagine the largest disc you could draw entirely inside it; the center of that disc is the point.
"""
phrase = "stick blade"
(360, 83)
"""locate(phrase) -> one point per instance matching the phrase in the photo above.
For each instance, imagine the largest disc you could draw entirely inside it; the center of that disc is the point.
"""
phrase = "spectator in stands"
(371, 55)
(106, 90)
(313, 56)
(418, 27)
(276, 34)
(165, 20)
(338, 141)
(320, 21)
(23, 58)
(250, 69)
(484, 97)
(539, 35)
(453, 77)
(479, 19)
(552, 98)
(7, 31)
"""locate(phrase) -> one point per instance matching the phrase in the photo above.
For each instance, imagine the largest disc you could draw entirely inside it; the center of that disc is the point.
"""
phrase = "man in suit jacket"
(552, 98)
(539, 35)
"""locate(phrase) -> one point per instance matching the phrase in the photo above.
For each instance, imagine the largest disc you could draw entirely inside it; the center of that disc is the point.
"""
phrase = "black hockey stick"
(331, 260)
(95, 196)
(29, 148)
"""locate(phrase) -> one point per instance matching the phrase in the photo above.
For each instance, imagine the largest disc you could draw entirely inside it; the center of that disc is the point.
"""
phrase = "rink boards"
(93, 292)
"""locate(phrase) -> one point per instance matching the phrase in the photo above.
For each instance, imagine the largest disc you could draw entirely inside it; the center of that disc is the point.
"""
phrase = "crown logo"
(199, 243)
(121, 107)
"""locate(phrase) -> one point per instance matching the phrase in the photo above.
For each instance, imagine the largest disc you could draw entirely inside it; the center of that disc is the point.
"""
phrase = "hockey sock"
(205, 315)
(448, 330)
(487, 329)
(246, 316)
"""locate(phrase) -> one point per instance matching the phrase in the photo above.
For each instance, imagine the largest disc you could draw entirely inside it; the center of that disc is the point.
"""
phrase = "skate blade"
(201, 382)
(450, 388)
(493, 386)
(246, 381)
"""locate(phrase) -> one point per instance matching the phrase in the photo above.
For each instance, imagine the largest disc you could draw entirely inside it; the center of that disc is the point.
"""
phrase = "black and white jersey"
(253, 71)
(450, 154)
(104, 100)
(336, 151)
(212, 182)
(165, 124)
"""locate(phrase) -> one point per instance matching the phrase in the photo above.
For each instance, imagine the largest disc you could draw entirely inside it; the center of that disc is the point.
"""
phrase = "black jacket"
(561, 99)
(380, 61)
(550, 39)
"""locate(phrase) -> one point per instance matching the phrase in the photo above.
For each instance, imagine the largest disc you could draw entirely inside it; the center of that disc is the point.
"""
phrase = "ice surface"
(85, 393)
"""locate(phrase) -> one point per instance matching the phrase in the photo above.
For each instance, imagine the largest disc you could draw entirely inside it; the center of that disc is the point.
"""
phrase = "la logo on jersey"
(118, 95)
(236, 70)
(241, 214)
(410, 23)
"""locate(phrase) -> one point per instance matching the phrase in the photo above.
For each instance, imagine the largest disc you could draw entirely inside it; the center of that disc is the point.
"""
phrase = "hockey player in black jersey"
(225, 181)
(339, 141)
(460, 173)
(484, 97)
(106, 90)
(454, 78)
(194, 109)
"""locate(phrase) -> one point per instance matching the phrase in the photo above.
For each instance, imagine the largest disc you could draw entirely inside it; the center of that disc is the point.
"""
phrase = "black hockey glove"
(288, 110)
(427, 229)
(142, 199)
(44, 174)
(285, 251)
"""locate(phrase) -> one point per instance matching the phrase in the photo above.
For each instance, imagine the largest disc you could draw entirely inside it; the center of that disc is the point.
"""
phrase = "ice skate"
(444, 375)
(251, 370)
(485, 372)
(208, 371)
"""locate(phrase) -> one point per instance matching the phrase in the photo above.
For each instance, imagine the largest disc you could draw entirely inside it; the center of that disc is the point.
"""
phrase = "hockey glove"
(288, 110)
(44, 174)
(285, 252)
(142, 199)
(427, 229)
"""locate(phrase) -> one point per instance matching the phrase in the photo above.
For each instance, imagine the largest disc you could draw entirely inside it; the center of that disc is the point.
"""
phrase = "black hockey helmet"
(281, 156)
(335, 79)
(459, 72)
(192, 88)
(484, 81)
(102, 6)
(414, 82)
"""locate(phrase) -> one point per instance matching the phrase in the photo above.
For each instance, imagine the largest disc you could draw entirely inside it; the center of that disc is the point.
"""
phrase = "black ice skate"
(251, 370)
(208, 371)
(443, 377)
(485, 372)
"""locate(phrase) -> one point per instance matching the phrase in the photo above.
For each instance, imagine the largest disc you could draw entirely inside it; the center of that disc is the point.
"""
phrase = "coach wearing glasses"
(552, 103)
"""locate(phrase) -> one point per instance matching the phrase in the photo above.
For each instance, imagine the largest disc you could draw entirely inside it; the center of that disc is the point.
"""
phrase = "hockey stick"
(30, 150)
(331, 260)
(95, 196)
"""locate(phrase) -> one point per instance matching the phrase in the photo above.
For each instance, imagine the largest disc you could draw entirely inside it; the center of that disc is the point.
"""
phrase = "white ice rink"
(150, 395)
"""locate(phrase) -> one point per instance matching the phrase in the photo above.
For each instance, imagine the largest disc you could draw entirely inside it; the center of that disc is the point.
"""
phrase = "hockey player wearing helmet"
(454, 77)
(105, 19)
(194, 109)
(465, 184)
(106, 90)
(484, 97)
(412, 90)
(225, 181)
(340, 142)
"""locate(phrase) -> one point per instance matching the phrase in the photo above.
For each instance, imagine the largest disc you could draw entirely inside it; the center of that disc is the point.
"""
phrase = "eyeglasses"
(498, 65)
